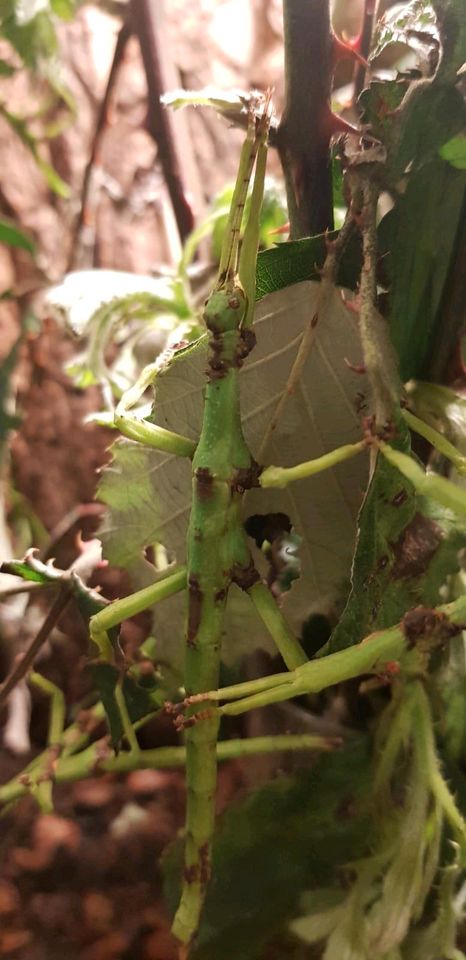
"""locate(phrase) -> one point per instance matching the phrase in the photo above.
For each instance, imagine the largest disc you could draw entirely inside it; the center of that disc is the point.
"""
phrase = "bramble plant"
(194, 478)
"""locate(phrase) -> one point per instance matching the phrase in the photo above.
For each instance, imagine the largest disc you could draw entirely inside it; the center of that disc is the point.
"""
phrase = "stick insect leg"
(283, 637)
(120, 610)
(142, 430)
(41, 785)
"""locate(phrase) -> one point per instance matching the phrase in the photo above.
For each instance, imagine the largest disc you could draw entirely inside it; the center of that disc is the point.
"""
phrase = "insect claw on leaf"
(353, 305)
(355, 367)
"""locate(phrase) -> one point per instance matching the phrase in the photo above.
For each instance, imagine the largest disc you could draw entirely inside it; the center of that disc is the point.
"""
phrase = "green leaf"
(430, 208)
(18, 568)
(83, 295)
(298, 260)
(406, 548)
(6, 70)
(14, 237)
(8, 421)
(148, 494)
(34, 39)
(412, 24)
(419, 141)
(20, 127)
(231, 103)
(378, 102)
(292, 835)
(139, 700)
(454, 151)
(63, 8)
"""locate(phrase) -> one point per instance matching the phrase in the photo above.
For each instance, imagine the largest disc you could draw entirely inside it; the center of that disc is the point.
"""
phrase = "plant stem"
(19, 671)
(146, 18)
(302, 139)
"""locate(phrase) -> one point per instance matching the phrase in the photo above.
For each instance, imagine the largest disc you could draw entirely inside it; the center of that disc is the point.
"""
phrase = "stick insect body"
(217, 551)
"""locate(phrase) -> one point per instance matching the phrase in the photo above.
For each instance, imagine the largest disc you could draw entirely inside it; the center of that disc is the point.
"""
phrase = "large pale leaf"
(148, 494)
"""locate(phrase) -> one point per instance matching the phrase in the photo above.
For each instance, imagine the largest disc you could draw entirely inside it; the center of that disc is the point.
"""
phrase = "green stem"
(282, 476)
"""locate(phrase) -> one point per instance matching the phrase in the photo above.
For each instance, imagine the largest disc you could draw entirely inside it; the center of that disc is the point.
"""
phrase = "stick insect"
(218, 555)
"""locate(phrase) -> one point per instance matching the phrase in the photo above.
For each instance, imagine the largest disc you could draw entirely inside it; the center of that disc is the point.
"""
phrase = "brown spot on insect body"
(245, 577)
(204, 862)
(246, 343)
(314, 321)
(191, 874)
(196, 597)
(204, 483)
(360, 402)
(359, 368)
(246, 477)
(430, 626)
(399, 498)
(220, 595)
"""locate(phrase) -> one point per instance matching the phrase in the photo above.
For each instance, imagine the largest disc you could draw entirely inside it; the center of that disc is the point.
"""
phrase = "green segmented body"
(217, 555)
(217, 551)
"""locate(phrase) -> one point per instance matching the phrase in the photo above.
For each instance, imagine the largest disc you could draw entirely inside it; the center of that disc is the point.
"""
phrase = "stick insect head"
(225, 309)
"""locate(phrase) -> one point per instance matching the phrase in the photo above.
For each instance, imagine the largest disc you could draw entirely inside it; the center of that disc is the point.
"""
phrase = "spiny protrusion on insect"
(245, 577)
(246, 343)
(245, 478)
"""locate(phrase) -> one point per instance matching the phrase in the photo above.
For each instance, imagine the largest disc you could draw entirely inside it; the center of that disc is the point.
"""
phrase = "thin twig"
(145, 15)
(22, 666)
(303, 134)
(369, 18)
(122, 40)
